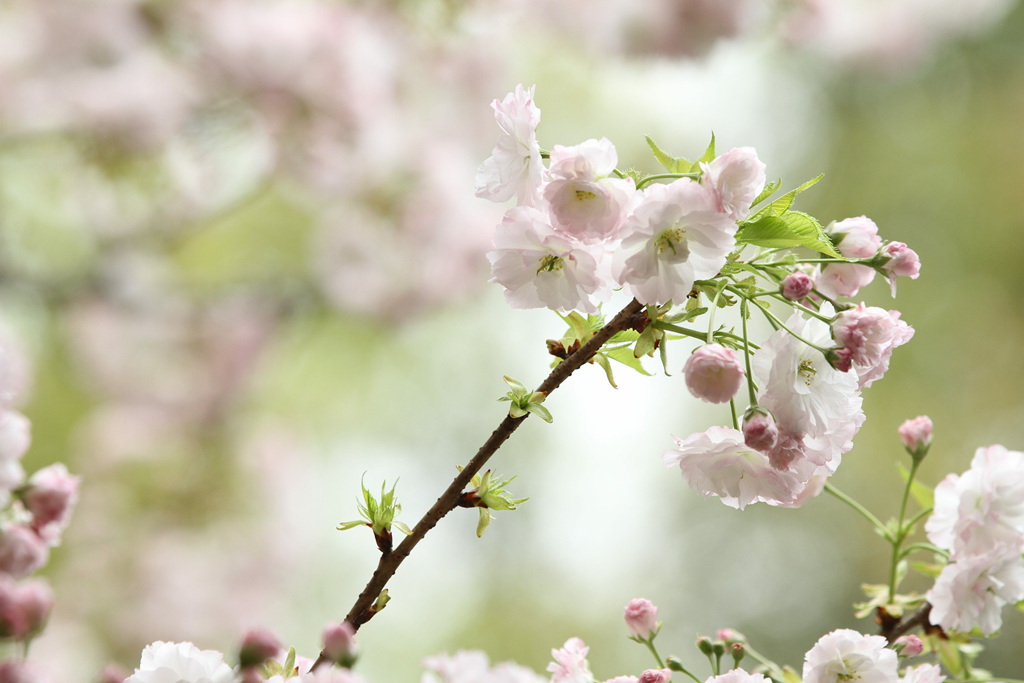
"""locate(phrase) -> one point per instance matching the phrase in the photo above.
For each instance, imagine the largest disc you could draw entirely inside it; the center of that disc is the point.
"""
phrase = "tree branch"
(447, 501)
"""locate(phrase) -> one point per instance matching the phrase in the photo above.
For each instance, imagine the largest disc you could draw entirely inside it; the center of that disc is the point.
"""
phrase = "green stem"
(735, 420)
(923, 546)
(650, 646)
(774, 320)
(901, 532)
(859, 508)
(711, 315)
(774, 669)
(665, 176)
(746, 353)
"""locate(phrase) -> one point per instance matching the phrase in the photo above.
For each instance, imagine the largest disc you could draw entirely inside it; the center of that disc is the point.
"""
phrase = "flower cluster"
(979, 519)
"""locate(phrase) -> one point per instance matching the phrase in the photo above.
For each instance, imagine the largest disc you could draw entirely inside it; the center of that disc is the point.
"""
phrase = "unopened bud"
(908, 646)
(340, 645)
(738, 652)
(641, 618)
(917, 436)
(655, 676)
(797, 286)
(705, 646)
(258, 645)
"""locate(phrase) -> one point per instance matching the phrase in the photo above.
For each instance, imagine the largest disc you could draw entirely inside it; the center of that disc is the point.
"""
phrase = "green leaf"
(540, 411)
(672, 164)
(624, 355)
(927, 569)
(790, 676)
(707, 157)
(924, 495)
(645, 342)
(403, 527)
(663, 352)
(793, 229)
(767, 192)
(602, 360)
(782, 204)
(484, 521)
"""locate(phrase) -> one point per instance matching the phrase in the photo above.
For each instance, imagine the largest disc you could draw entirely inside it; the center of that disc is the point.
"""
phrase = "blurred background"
(242, 266)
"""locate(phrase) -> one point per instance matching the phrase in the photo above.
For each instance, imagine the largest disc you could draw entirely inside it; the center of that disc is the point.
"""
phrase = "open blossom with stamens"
(867, 336)
(846, 655)
(584, 202)
(735, 178)
(514, 168)
(717, 462)
(674, 236)
(541, 268)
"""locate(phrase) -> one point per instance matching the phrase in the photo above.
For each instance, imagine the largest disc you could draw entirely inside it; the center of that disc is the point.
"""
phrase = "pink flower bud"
(655, 676)
(714, 373)
(258, 645)
(855, 237)
(19, 671)
(641, 618)
(50, 497)
(760, 433)
(340, 643)
(902, 262)
(21, 550)
(917, 435)
(909, 646)
(34, 602)
(797, 286)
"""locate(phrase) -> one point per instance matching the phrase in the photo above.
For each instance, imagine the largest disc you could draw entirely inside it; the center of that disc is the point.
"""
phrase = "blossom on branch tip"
(867, 337)
(916, 435)
(50, 496)
(855, 238)
(899, 260)
(515, 168)
(339, 643)
(714, 373)
(797, 286)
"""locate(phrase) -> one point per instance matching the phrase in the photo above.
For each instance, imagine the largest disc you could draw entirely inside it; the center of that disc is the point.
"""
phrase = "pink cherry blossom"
(50, 497)
(258, 645)
(655, 676)
(339, 643)
(15, 437)
(760, 431)
(738, 676)
(916, 434)
(540, 268)
(641, 618)
(844, 655)
(714, 373)
(924, 673)
(971, 592)
(24, 607)
(843, 279)
(983, 508)
(514, 167)
(474, 667)
(584, 202)
(903, 262)
(855, 237)
(797, 286)
(20, 671)
(735, 178)
(867, 337)
(21, 550)
(909, 645)
(570, 665)
(673, 237)
(717, 462)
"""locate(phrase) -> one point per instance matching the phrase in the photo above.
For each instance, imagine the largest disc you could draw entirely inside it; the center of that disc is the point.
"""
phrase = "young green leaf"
(707, 157)
(792, 229)
(672, 164)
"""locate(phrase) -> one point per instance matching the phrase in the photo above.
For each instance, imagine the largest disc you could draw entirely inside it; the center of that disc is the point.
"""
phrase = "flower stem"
(665, 176)
(859, 508)
(901, 532)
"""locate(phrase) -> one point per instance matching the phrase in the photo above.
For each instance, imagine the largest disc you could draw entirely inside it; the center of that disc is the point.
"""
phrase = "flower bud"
(760, 433)
(705, 646)
(655, 676)
(258, 645)
(34, 601)
(908, 646)
(855, 237)
(713, 373)
(737, 651)
(20, 671)
(797, 286)
(903, 261)
(340, 645)
(642, 618)
(917, 436)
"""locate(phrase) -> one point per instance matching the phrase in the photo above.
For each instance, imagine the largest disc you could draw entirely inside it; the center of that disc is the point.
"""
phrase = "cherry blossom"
(845, 655)
(570, 665)
(971, 592)
(867, 336)
(514, 167)
(674, 236)
(641, 618)
(164, 662)
(924, 673)
(584, 202)
(735, 178)
(714, 373)
(738, 676)
(916, 434)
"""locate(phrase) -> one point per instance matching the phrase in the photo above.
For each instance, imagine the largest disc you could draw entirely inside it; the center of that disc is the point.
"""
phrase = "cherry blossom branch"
(361, 611)
(918, 618)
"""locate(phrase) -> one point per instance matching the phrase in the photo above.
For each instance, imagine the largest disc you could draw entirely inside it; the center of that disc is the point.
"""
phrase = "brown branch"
(447, 501)
(918, 618)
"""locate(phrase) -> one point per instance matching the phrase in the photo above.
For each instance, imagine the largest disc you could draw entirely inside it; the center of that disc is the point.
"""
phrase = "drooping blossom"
(164, 662)
(971, 592)
(908, 645)
(846, 655)
(735, 178)
(797, 286)
(24, 606)
(22, 551)
(916, 435)
(541, 268)
(983, 508)
(674, 236)
(717, 462)
(842, 279)
(641, 618)
(855, 238)
(339, 643)
(867, 336)
(714, 373)
(570, 665)
(902, 262)
(514, 168)
(584, 201)
(760, 431)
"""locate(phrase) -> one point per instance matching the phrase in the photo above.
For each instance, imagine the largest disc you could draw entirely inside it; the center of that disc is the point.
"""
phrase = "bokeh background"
(241, 267)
